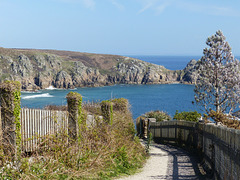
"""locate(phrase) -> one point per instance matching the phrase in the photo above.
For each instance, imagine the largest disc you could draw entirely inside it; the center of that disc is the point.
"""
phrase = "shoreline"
(51, 87)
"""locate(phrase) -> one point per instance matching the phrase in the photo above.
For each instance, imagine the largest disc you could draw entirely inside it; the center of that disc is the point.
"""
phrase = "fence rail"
(219, 145)
(37, 123)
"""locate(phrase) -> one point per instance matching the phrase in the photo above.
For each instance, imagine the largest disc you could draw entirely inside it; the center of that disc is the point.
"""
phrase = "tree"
(218, 77)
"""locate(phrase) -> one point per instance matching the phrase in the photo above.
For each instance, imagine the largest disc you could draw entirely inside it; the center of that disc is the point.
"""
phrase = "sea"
(142, 98)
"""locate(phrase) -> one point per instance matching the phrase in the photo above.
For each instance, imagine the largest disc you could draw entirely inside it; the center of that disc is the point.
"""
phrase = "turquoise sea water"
(143, 98)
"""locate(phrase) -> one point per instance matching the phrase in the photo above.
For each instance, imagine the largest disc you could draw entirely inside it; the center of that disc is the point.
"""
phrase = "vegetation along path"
(168, 162)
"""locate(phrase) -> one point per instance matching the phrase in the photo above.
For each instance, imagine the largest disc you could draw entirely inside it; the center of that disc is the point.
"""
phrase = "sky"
(123, 27)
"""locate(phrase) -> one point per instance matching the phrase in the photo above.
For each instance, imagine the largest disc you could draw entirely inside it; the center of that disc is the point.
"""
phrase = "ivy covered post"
(74, 101)
(10, 92)
(107, 111)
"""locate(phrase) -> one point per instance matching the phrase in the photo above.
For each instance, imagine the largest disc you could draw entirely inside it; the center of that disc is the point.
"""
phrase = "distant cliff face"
(190, 72)
(39, 69)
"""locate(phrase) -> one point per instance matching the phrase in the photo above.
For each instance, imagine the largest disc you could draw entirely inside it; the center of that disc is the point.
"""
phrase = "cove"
(142, 98)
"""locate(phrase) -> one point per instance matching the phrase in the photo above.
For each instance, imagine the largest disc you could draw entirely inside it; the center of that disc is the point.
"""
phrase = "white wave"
(37, 96)
(30, 92)
(50, 88)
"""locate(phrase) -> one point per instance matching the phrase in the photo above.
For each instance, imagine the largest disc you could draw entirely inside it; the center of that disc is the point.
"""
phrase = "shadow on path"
(167, 162)
(181, 164)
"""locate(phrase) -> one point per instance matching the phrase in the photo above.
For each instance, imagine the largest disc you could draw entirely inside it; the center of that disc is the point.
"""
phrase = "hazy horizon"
(128, 55)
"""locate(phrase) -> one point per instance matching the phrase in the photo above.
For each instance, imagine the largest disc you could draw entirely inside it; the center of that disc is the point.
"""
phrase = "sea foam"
(50, 88)
(37, 96)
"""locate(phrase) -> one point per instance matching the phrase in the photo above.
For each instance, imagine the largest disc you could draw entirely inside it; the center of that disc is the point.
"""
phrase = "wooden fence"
(37, 123)
(219, 145)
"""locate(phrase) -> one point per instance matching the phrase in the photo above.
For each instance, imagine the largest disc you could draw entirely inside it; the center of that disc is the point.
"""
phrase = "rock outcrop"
(190, 72)
(39, 69)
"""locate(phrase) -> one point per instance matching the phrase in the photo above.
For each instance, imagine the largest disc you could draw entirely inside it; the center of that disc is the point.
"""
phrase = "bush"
(92, 107)
(104, 151)
(158, 115)
(120, 104)
(56, 107)
(225, 119)
(187, 116)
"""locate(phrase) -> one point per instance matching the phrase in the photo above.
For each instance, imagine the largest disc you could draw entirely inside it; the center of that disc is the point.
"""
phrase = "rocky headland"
(39, 69)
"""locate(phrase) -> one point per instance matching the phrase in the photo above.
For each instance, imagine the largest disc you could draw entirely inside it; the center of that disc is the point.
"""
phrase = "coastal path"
(167, 162)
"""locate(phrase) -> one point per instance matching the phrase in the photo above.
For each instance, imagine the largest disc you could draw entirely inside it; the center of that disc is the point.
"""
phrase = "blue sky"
(125, 27)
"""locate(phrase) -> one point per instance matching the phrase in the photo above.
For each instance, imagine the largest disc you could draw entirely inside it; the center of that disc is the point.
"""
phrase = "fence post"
(1, 129)
(149, 121)
(10, 92)
(74, 101)
(107, 111)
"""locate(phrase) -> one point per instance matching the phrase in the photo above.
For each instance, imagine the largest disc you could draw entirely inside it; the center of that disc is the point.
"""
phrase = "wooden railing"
(220, 146)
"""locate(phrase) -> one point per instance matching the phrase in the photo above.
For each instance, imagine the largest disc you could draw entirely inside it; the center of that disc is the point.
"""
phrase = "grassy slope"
(102, 61)
(65, 61)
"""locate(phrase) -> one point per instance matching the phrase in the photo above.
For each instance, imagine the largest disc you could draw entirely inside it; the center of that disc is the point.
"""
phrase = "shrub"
(105, 151)
(187, 116)
(158, 115)
(92, 107)
(120, 104)
(56, 107)
(225, 119)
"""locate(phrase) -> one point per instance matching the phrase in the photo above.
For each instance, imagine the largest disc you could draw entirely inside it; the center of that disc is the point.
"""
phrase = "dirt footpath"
(168, 162)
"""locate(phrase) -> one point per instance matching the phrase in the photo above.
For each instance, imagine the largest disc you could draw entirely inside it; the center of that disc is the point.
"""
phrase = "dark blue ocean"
(169, 62)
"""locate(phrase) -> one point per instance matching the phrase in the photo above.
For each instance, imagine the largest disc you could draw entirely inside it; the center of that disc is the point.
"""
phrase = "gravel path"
(167, 162)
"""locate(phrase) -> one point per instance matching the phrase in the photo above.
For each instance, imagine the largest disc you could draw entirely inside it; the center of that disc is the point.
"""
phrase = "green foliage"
(16, 112)
(111, 114)
(11, 109)
(107, 111)
(74, 96)
(74, 100)
(120, 104)
(80, 115)
(149, 140)
(158, 115)
(187, 116)
(104, 152)
(121, 159)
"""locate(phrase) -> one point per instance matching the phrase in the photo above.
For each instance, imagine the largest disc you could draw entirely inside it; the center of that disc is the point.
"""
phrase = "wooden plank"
(37, 123)
(25, 129)
(34, 126)
(39, 130)
(31, 129)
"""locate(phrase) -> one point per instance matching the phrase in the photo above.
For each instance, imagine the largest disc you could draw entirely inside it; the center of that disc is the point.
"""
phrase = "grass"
(103, 151)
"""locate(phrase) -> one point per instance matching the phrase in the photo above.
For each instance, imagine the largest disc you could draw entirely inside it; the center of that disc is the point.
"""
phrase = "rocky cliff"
(190, 72)
(39, 69)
